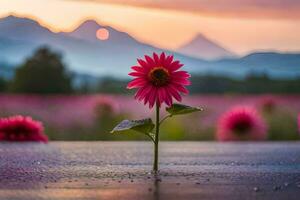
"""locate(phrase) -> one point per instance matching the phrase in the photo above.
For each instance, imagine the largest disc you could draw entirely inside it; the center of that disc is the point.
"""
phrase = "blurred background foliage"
(44, 73)
(282, 125)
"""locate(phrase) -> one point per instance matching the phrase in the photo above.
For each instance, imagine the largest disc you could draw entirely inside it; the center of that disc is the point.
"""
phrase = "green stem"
(151, 137)
(155, 163)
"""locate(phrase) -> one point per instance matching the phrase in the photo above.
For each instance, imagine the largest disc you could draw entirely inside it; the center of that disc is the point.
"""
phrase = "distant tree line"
(42, 73)
(45, 73)
(208, 84)
(254, 83)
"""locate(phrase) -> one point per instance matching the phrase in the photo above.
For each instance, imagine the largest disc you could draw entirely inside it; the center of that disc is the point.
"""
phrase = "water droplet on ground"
(256, 189)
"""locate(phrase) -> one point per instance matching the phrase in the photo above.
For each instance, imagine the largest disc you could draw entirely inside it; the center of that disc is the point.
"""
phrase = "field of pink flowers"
(80, 118)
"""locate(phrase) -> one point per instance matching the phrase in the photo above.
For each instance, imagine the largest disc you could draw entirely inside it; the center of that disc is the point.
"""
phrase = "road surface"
(122, 171)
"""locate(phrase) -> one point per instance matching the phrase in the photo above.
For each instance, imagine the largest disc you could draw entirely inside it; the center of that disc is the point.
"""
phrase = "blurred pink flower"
(299, 122)
(106, 105)
(268, 104)
(241, 123)
(21, 128)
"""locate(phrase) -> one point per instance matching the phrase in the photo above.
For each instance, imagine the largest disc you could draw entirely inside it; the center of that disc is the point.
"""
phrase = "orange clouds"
(229, 8)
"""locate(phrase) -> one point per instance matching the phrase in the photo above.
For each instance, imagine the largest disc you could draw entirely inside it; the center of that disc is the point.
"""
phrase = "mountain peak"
(21, 28)
(202, 47)
(86, 30)
(200, 38)
(12, 19)
(89, 24)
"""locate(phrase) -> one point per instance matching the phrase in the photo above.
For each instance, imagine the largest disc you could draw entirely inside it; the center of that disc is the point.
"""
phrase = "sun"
(102, 34)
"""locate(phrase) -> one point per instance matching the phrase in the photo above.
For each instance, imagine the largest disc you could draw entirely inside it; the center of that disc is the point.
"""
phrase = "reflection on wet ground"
(122, 170)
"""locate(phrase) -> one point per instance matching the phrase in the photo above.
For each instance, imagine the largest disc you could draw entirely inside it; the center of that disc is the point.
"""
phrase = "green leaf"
(180, 109)
(144, 126)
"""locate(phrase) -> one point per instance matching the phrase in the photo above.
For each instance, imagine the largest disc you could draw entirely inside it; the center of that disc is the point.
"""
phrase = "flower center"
(159, 76)
(241, 127)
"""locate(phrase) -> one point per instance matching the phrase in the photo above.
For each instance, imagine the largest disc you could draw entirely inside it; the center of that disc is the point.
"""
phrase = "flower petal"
(136, 74)
(149, 60)
(181, 88)
(156, 59)
(143, 64)
(143, 92)
(174, 93)
(162, 58)
(136, 83)
(139, 69)
(181, 81)
(161, 95)
(152, 97)
(175, 66)
(183, 74)
(168, 100)
(168, 61)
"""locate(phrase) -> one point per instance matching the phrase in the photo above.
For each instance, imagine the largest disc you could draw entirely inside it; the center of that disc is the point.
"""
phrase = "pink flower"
(241, 123)
(106, 105)
(158, 80)
(299, 122)
(268, 104)
(20, 128)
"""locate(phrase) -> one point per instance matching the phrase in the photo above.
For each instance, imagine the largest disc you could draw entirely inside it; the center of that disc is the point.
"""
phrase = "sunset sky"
(242, 26)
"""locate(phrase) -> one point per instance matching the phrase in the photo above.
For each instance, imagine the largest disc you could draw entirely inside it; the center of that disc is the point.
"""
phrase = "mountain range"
(84, 53)
(202, 47)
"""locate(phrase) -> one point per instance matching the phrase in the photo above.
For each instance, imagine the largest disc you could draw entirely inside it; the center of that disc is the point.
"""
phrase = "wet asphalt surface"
(122, 170)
